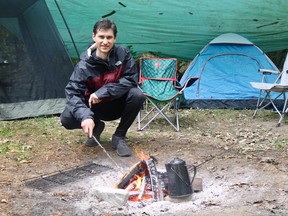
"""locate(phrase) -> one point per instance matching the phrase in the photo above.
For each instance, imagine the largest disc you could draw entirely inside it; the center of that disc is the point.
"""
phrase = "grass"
(281, 144)
(17, 137)
(16, 150)
(21, 139)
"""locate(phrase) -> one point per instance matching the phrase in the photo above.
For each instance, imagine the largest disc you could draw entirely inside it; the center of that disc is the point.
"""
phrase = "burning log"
(143, 178)
(153, 178)
(139, 169)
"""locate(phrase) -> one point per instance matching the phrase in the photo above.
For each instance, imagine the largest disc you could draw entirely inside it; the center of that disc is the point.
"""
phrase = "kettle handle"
(194, 171)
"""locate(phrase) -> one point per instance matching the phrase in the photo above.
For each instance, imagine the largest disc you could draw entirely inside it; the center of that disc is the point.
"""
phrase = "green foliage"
(75, 61)
(12, 144)
(280, 144)
(278, 57)
(5, 131)
(14, 150)
(133, 53)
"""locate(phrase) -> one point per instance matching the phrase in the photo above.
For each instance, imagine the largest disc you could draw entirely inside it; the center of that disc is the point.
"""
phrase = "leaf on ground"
(269, 160)
(211, 203)
(25, 161)
(271, 207)
(4, 201)
(57, 214)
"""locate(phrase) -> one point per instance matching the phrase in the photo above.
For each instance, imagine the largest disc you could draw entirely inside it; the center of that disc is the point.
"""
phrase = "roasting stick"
(120, 169)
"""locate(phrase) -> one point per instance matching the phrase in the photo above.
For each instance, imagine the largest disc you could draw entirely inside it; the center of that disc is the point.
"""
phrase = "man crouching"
(103, 87)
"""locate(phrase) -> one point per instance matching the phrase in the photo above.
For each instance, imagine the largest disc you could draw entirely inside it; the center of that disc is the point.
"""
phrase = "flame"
(138, 182)
(137, 179)
(135, 183)
(141, 155)
(135, 198)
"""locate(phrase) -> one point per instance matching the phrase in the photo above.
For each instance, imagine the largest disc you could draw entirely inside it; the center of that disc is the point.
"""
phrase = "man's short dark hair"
(105, 24)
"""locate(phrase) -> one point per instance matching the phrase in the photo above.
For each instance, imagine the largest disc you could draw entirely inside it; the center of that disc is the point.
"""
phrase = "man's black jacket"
(108, 79)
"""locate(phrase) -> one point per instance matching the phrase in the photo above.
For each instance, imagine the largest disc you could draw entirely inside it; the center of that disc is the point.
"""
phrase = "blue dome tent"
(225, 66)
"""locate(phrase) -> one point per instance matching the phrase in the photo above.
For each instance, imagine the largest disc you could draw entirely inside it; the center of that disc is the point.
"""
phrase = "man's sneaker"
(121, 145)
(91, 142)
(98, 129)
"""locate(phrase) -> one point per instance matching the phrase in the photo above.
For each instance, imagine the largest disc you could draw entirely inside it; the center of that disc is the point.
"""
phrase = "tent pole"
(67, 28)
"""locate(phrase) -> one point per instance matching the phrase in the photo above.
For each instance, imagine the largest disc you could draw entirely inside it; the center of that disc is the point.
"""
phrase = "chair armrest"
(188, 83)
(266, 71)
(191, 81)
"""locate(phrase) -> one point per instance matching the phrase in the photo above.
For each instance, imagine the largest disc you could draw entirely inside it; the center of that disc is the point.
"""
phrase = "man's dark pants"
(126, 108)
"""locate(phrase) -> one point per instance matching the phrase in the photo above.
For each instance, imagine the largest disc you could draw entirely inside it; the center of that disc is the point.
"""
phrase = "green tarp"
(173, 28)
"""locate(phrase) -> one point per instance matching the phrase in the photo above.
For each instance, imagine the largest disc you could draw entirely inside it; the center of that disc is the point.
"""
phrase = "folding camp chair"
(279, 87)
(159, 84)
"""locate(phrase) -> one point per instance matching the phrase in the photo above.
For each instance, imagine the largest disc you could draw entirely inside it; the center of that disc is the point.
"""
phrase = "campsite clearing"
(243, 163)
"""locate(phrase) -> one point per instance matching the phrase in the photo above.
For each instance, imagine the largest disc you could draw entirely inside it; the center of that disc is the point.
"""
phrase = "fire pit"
(144, 182)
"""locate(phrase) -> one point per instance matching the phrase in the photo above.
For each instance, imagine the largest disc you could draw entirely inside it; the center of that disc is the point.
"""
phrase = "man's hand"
(88, 126)
(93, 99)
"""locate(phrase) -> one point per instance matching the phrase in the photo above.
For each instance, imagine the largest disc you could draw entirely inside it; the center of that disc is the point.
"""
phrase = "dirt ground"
(243, 164)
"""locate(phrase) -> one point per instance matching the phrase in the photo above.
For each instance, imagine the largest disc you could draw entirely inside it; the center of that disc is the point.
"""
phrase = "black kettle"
(179, 184)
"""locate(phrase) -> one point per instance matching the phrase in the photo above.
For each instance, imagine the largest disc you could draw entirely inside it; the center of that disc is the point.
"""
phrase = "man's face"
(104, 40)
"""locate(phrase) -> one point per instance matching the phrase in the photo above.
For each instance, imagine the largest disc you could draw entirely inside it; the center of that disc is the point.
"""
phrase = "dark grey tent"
(34, 64)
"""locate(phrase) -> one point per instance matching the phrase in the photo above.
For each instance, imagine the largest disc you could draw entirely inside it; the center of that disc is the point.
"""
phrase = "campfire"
(144, 182)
